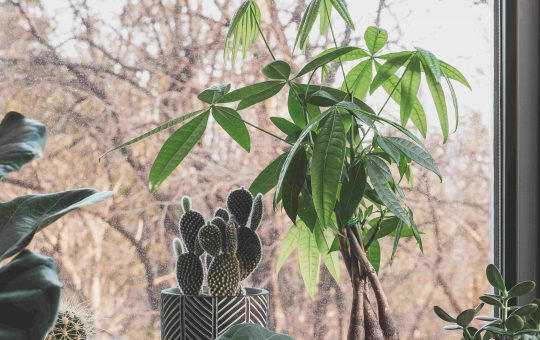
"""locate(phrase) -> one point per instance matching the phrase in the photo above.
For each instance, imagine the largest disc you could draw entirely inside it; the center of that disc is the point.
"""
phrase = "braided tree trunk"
(367, 321)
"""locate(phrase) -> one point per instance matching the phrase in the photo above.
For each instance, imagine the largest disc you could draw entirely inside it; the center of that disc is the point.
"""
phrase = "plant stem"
(336, 45)
(258, 128)
(262, 35)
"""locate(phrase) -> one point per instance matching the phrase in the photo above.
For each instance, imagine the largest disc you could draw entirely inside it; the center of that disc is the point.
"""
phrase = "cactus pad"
(224, 214)
(256, 213)
(239, 204)
(186, 204)
(190, 223)
(224, 275)
(210, 239)
(249, 251)
(189, 273)
(231, 240)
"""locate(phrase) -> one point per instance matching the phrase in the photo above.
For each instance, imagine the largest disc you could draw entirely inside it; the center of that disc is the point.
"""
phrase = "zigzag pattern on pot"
(258, 309)
(198, 317)
(229, 311)
(171, 310)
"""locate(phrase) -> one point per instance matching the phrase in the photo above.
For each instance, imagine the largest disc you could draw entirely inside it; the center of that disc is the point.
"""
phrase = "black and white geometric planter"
(200, 317)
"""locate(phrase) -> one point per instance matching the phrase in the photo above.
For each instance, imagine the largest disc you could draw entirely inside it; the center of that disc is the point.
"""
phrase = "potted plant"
(334, 178)
(514, 323)
(29, 284)
(213, 258)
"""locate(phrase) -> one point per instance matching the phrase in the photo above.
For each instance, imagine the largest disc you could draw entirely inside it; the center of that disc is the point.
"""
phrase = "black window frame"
(516, 147)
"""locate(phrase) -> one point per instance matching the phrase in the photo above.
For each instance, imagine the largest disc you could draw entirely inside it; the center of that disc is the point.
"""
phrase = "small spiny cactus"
(190, 224)
(74, 322)
(189, 269)
(210, 239)
(224, 272)
(240, 203)
(224, 214)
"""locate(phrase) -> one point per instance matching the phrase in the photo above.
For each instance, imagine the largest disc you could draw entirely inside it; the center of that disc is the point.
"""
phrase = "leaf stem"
(262, 34)
(258, 128)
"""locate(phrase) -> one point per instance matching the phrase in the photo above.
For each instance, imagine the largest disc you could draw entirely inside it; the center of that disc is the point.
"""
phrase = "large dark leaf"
(293, 182)
(233, 124)
(325, 59)
(327, 165)
(250, 331)
(22, 217)
(29, 296)
(268, 178)
(352, 191)
(21, 140)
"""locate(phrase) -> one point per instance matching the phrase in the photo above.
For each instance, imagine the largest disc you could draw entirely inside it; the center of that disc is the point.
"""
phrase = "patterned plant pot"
(200, 317)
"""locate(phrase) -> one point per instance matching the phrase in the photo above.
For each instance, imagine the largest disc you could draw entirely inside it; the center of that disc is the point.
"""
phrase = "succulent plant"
(229, 241)
(74, 321)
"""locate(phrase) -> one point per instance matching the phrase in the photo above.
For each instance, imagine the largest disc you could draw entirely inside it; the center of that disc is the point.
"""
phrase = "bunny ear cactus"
(240, 203)
(189, 269)
(190, 224)
(222, 213)
(224, 272)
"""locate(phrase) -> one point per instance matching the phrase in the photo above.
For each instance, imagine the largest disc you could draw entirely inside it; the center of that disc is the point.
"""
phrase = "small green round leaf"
(491, 301)
(443, 315)
(536, 314)
(495, 278)
(514, 323)
(522, 288)
(525, 310)
(464, 318)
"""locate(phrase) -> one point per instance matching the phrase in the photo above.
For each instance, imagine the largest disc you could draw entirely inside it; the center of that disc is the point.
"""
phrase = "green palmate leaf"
(249, 91)
(285, 126)
(160, 128)
(308, 258)
(261, 96)
(397, 237)
(250, 331)
(288, 245)
(409, 89)
(443, 315)
(326, 167)
(375, 38)
(453, 73)
(431, 63)
(214, 93)
(325, 13)
(352, 55)
(352, 191)
(415, 153)
(440, 103)
(374, 255)
(416, 232)
(417, 114)
(522, 288)
(387, 70)
(321, 98)
(233, 124)
(359, 79)
(293, 183)
(306, 211)
(389, 148)
(175, 149)
(495, 278)
(295, 109)
(292, 152)
(454, 100)
(306, 24)
(30, 296)
(277, 69)
(341, 8)
(21, 140)
(324, 239)
(22, 217)
(325, 59)
(243, 28)
(393, 55)
(379, 179)
(268, 178)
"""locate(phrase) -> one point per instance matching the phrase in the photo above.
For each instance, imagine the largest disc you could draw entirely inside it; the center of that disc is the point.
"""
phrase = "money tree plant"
(340, 173)
(29, 285)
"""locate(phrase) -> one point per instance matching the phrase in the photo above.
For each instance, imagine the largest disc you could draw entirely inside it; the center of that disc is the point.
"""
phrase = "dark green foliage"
(249, 251)
(189, 273)
(515, 322)
(30, 290)
(210, 239)
(256, 213)
(239, 204)
(224, 275)
(224, 214)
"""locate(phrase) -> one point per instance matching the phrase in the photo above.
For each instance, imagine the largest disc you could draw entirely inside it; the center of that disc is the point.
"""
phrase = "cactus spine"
(74, 321)
(229, 239)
